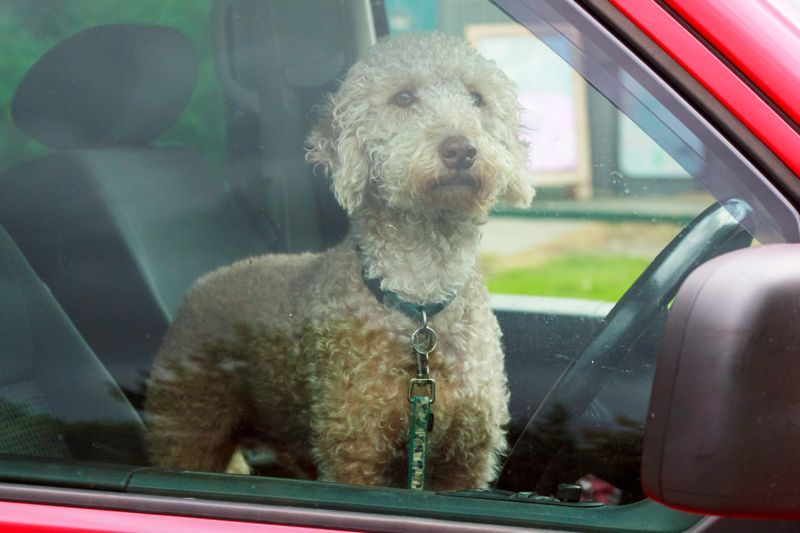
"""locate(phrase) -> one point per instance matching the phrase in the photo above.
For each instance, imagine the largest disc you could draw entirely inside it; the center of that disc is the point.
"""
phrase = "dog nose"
(457, 152)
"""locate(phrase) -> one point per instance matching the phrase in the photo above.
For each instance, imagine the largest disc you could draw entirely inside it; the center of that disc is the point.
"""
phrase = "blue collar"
(418, 313)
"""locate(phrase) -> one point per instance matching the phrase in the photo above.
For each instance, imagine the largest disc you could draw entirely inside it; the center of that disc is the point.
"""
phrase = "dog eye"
(477, 99)
(403, 98)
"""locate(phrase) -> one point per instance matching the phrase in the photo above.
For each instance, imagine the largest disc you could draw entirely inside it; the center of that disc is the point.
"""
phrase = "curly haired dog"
(420, 140)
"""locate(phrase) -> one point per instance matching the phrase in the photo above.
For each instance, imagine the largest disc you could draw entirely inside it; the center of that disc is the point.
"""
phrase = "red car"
(648, 299)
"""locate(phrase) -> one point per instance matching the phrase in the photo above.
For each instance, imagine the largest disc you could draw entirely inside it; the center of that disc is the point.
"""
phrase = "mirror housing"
(723, 428)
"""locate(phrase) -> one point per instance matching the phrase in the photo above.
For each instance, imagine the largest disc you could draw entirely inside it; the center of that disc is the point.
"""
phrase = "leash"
(422, 388)
(423, 341)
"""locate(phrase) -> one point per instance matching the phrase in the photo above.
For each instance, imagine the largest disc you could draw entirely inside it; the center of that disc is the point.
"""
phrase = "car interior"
(109, 228)
(105, 230)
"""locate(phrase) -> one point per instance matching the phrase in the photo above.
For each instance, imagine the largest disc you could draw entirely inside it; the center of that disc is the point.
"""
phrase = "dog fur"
(294, 350)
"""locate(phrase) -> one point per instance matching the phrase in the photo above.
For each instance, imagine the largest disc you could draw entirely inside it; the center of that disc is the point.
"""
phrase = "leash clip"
(423, 341)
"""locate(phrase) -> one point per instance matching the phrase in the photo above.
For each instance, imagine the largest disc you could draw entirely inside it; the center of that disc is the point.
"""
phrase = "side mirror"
(723, 429)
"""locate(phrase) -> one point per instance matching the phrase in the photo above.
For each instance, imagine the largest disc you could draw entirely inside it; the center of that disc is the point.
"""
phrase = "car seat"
(275, 61)
(116, 224)
(56, 399)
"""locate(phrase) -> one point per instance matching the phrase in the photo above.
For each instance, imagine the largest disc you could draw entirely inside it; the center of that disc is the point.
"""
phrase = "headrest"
(107, 86)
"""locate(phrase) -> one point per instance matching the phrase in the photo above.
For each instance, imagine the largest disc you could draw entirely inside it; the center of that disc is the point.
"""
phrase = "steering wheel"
(715, 231)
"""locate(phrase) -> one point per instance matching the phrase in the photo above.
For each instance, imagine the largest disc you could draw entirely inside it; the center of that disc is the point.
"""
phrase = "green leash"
(420, 424)
(423, 341)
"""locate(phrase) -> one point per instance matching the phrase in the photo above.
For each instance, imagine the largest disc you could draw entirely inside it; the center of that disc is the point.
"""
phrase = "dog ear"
(319, 144)
(333, 143)
(519, 190)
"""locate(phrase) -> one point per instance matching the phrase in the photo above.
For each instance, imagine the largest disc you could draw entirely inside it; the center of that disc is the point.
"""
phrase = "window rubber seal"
(240, 511)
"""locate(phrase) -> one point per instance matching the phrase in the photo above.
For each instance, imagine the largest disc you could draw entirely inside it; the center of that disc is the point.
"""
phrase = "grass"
(593, 277)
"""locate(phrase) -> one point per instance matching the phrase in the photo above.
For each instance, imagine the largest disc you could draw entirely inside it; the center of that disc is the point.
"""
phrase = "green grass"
(593, 277)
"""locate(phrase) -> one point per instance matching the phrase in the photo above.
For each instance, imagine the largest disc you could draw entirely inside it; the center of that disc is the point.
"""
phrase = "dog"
(301, 353)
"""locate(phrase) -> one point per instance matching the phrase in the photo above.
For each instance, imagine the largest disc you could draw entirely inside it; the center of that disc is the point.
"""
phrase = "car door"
(640, 178)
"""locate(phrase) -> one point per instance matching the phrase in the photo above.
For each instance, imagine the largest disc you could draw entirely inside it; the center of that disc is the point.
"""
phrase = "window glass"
(609, 197)
(145, 145)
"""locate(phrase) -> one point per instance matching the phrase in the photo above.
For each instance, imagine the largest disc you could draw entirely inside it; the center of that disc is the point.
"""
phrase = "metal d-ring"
(423, 340)
(422, 382)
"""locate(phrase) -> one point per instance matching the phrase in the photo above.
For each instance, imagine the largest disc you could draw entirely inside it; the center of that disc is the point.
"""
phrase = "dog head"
(423, 122)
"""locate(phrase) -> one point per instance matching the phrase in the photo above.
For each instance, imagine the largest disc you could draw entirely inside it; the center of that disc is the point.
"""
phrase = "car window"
(146, 147)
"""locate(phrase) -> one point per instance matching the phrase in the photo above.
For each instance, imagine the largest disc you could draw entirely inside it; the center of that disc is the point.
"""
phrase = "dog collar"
(416, 312)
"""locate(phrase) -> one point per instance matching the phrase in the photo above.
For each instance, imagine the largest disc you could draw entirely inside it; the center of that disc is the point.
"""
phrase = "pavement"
(639, 227)
(511, 242)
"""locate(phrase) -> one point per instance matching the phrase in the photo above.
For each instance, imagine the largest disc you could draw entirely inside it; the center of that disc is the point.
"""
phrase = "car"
(646, 298)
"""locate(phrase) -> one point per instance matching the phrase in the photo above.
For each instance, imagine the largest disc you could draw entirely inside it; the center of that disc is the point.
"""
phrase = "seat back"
(272, 80)
(56, 399)
(117, 225)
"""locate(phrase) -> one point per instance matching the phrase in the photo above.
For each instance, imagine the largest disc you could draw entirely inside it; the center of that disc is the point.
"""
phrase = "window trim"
(295, 502)
(701, 98)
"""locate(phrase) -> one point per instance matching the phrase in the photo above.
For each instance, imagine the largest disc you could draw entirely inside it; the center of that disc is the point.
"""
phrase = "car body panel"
(757, 38)
(712, 72)
(28, 517)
